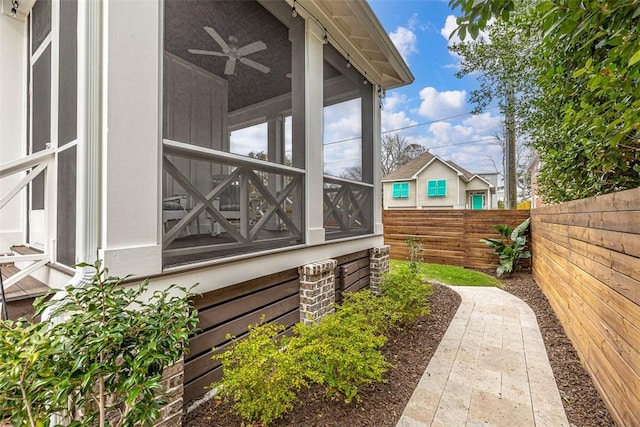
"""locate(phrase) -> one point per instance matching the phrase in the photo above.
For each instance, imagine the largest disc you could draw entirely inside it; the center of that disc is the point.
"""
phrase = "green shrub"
(509, 255)
(409, 296)
(261, 374)
(105, 354)
(416, 254)
(379, 310)
(342, 353)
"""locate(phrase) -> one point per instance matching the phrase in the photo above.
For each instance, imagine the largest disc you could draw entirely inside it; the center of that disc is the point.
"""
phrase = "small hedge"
(264, 371)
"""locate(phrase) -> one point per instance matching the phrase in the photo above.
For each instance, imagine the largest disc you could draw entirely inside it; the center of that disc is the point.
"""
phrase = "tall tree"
(584, 118)
(396, 151)
(501, 61)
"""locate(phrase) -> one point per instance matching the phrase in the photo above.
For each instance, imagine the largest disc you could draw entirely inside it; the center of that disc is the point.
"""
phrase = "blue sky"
(420, 30)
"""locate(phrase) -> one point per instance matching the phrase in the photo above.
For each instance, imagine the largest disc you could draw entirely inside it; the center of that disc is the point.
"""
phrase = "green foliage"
(509, 254)
(105, 352)
(342, 352)
(416, 254)
(451, 274)
(584, 109)
(408, 295)
(261, 374)
(30, 388)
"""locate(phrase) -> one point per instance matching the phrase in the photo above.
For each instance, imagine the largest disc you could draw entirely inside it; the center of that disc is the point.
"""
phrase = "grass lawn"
(451, 275)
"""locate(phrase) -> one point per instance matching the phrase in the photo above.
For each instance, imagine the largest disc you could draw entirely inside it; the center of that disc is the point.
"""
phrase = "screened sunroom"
(243, 170)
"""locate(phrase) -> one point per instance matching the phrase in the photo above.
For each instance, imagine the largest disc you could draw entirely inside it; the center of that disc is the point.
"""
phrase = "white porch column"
(13, 87)
(131, 163)
(377, 171)
(314, 37)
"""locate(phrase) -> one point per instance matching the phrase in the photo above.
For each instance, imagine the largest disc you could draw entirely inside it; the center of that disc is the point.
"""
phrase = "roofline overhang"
(366, 22)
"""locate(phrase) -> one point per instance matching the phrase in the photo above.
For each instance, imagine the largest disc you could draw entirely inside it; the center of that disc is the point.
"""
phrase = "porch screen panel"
(41, 118)
(40, 23)
(67, 133)
(66, 219)
(68, 73)
(228, 90)
(348, 148)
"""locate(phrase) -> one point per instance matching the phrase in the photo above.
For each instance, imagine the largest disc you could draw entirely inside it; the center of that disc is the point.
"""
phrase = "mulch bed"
(381, 404)
(410, 351)
(581, 401)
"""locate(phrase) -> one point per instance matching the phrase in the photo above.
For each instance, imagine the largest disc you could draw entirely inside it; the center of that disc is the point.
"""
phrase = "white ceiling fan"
(233, 52)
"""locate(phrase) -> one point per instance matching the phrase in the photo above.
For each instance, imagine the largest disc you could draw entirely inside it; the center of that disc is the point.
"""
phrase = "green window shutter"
(437, 188)
(400, 190)
(432, 189)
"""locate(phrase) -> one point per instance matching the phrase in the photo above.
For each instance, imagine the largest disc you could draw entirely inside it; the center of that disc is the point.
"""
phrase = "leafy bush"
(509, 255)
(105, 354)
(261, 374)
(416, 254)
(407, 293)
(342, 352)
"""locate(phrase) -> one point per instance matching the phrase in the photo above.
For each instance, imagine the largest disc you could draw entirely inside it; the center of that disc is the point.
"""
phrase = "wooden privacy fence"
(450, 236)
(586, 259)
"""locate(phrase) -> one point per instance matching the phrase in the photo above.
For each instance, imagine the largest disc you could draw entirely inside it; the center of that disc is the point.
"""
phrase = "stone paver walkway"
(491, 369)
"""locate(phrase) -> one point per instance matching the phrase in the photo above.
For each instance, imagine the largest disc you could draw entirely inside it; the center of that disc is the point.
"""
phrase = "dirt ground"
(410, 351)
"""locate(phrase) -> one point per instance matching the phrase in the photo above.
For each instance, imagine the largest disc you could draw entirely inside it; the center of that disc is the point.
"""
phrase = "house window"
(400, 190)
(437, 188)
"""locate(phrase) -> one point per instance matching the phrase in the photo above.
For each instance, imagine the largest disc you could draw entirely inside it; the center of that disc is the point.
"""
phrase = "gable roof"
(462, 170)
(410, 169)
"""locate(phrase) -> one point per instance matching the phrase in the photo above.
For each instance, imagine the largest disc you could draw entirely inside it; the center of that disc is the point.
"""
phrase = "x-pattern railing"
(245, 173)
(347, 207)
(35, 164)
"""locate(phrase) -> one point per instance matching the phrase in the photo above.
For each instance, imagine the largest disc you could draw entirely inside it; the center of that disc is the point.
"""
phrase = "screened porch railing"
(266, 198)
(348, 207)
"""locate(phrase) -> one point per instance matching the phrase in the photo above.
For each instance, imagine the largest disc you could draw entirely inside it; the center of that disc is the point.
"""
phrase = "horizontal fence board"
(614, 374)
(449, 236)
(586, 259)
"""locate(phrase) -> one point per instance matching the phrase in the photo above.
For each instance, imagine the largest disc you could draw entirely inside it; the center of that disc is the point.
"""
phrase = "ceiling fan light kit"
(233, 53)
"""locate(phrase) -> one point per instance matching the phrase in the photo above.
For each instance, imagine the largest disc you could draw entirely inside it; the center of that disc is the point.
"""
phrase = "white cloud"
(483, 123)
(450, 25)
(405, 40)
(392, 118)
(438, 105)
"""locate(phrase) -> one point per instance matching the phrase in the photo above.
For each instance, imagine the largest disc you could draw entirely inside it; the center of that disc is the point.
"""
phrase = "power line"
(487, 139)
(414, 126)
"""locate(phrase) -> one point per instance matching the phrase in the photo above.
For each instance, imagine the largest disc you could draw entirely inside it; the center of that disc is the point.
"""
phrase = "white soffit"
(358, 32)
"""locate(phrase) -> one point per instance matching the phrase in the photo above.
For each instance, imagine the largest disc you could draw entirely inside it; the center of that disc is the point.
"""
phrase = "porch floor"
(491, 368)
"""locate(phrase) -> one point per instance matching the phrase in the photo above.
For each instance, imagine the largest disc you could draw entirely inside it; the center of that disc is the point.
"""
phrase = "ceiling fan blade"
(252, 48)
(223, 44)
(253, 64)
(230, 68)
(206, 52)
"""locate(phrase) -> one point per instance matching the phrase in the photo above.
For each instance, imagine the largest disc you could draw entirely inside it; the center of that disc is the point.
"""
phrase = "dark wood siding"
(352, 273)
(229, 311)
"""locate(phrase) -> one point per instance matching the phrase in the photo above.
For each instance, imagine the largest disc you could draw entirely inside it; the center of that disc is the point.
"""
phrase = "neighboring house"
(430, 182)
(117, 130)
